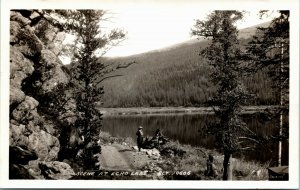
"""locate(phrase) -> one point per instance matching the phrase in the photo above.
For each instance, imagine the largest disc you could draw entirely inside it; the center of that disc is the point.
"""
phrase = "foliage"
(173, 149)
(74, 104)
(87, 73)
(224, 55)
(269, 49)
(194, 160)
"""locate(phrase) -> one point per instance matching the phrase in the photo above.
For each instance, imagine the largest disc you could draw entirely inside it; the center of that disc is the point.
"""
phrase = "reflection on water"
(188, 129)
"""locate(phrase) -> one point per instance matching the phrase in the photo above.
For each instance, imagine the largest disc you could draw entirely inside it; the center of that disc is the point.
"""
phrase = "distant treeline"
(176, 76)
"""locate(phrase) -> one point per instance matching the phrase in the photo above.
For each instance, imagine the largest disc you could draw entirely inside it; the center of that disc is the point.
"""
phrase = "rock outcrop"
(50, 170)
(18, 157)
(35, 70)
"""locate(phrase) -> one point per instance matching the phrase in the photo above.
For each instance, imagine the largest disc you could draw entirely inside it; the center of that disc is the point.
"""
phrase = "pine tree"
(269, 49)
(86, 72)
(223, 55)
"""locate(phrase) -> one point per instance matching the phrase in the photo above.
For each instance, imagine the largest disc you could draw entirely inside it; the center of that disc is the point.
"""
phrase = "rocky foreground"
(35, 71)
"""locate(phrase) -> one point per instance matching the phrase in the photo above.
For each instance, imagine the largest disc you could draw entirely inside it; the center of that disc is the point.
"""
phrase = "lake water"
(188, 129)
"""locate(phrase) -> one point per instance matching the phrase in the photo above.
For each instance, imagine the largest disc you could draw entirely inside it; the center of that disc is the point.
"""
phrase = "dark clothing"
(157, 137)
(158, 133)
(140, 139)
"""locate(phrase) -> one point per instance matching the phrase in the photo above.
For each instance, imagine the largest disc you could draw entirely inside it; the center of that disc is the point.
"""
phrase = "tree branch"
(107, 78)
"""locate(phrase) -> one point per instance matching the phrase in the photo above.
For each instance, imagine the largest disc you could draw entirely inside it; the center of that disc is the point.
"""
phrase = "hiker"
(158, 136)
(211, 167)
(140, 137)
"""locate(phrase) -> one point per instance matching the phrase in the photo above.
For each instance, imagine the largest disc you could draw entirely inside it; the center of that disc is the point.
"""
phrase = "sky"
(160, 25)
(151, 26)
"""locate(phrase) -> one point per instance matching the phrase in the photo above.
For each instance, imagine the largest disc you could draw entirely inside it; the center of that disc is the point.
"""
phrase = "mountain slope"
(173, 76)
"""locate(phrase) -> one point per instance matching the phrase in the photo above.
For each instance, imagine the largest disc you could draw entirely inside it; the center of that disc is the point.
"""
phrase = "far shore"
(174, 110)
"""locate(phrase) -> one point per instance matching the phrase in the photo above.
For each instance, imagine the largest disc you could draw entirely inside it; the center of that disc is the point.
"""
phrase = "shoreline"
(174, 110)
(192, 159)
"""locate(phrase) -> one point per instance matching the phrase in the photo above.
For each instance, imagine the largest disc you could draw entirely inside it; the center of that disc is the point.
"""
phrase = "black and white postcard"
(150, 94)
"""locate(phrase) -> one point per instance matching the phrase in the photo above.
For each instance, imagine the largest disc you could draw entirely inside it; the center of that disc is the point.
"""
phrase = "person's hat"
(140, 127)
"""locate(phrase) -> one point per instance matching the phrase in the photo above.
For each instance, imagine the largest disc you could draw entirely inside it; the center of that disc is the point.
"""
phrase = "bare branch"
(107, 78)
(251, 139)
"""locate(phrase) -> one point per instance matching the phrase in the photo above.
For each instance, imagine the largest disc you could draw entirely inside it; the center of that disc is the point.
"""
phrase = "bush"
(173, 149)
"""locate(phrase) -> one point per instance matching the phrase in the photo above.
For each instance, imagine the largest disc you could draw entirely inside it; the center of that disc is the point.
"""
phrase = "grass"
(245, 170)
(194, 160)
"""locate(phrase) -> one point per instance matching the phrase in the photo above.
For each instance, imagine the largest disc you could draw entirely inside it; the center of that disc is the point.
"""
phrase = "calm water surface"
(188, 129)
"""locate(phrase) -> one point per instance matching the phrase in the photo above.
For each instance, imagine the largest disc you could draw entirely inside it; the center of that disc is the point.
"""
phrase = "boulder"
(48, 126)
(29, 44)
(16, 95)
(153, 152)
(53, 64)
(50, 170)
(57, 45)
(20, 67)
(18, 155)
(14, 31)
(26, 110)
(34, 15)
(16, 16)
(17, 171)
(45, 145)
(135, 148)
(17, 135)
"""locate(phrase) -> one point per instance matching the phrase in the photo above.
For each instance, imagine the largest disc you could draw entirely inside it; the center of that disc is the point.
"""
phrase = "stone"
(56, 45)
(16, 16)
(50, 170)
(20, 155)
(50, 61)
(17, 171)
(16, 135)
(153, 152)
(20, 67)
(34, 170)
(26, 110)
(45, 145)
(14, 31)
(34, 15)
(29, 44)
(50, 34)
(49, 128)
(16, 95)
(60, 37)
(135, 148)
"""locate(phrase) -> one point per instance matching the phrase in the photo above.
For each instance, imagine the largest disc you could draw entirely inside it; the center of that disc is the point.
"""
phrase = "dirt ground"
(117, 157)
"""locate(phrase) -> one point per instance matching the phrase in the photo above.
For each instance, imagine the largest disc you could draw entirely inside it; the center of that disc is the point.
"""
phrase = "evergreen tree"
(269, 49)
(223, 54)
(82, 97)
(87, 73)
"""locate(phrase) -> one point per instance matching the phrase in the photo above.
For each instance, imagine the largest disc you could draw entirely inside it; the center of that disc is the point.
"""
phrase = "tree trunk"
(280, 134)
(227, 172)
(281, 105)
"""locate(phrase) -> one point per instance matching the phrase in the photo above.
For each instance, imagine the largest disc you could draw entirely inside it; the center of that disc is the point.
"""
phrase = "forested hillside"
(175, 76)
